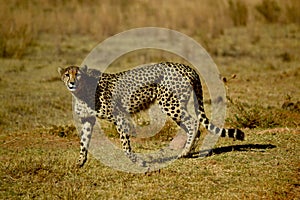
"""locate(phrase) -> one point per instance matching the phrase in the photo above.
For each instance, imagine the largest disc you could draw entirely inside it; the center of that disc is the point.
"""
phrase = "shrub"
(269, 9)
(292, 11)
(253, 116)
(238, 12)
(16, 31)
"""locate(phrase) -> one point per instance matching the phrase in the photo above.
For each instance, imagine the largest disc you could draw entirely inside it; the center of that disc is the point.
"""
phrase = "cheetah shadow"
(232, 148)
(217, 151)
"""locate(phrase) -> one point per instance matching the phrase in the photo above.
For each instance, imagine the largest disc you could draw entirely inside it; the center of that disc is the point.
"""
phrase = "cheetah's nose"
(71, 85)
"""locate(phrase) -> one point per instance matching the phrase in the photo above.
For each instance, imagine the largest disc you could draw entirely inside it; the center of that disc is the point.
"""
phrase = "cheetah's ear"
(60, 70)
(84, 68)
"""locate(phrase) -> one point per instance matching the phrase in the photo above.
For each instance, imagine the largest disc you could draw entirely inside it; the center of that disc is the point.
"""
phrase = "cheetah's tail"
(223, 132)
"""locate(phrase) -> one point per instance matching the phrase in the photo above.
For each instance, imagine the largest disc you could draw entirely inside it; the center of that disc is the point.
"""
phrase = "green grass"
(39, 145)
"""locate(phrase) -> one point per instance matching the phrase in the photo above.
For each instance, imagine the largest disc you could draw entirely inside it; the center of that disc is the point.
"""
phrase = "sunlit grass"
(23, 22)
(39, 145)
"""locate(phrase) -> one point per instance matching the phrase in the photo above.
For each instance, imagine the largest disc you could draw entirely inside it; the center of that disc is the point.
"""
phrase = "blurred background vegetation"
(23, 22)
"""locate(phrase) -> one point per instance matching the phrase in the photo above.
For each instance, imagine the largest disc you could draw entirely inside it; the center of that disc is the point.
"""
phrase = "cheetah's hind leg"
(125, 128)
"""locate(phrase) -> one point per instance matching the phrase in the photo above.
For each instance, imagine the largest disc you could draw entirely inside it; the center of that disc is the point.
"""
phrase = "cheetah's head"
(71, 76)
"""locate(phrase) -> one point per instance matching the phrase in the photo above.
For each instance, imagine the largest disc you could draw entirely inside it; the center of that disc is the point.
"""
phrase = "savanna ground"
(258, 41)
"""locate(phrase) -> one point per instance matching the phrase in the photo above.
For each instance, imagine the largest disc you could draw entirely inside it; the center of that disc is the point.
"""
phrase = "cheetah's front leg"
(85, 137)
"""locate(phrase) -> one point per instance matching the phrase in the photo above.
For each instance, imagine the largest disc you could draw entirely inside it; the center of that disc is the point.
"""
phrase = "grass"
(39, 145)
(23, 22)
(44, 168)
(270, 10)
(238, 12)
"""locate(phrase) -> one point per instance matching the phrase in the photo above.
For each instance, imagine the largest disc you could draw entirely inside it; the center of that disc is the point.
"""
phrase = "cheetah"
(115, 96)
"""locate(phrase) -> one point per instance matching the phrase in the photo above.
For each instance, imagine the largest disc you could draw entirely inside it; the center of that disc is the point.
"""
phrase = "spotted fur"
(116, 96)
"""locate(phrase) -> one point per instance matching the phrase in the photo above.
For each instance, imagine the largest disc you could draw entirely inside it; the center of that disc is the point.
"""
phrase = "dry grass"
(38, 144)
(24, 21)
(263, 167)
